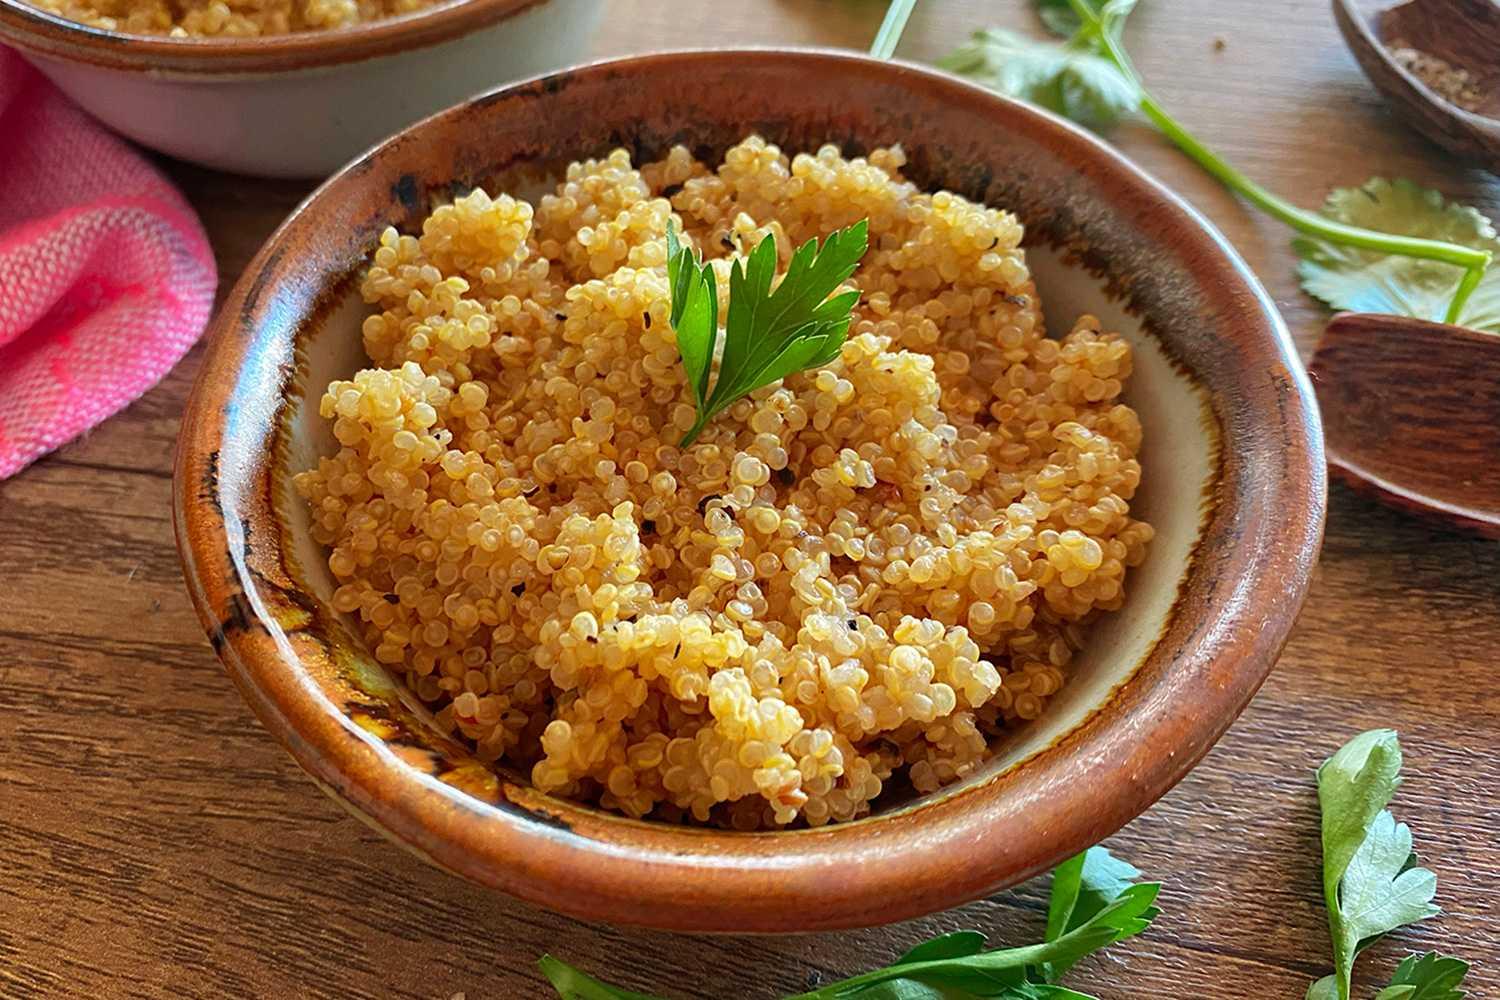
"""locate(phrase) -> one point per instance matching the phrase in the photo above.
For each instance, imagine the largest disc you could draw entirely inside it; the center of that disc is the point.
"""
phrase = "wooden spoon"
(1411, 413)
(1465, 34)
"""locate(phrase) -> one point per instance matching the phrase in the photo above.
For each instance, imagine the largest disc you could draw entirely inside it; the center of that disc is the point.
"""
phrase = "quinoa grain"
(218, 18)
(865, 570)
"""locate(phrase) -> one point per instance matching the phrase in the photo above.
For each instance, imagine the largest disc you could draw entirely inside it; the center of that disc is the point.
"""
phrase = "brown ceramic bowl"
(1233, 481)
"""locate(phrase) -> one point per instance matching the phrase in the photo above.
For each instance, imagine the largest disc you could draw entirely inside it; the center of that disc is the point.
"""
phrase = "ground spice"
(1452, 83)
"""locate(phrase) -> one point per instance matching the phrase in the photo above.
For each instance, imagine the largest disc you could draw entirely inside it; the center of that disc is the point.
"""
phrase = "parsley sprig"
(1095, 903)
(1372, 885)
(1091, 78)
(768, 334)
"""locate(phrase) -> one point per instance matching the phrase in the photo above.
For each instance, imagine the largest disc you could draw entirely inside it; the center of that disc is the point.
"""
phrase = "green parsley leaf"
(1070, 78)
(571, 984)
(955, 945)
(768, 335)
(1102, 879)
(907, 989)
(1427, 977)
(1002, 973)
(1371, 884)
(695, 313)
(1067, 884)
(1059, 17)
(1102, 903)
(1354, 785)
(1082, 887)
(1380, 890)
(1326, 988)
(1360, 280)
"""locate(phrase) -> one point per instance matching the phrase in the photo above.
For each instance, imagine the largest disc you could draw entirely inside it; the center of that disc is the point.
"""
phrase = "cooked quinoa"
(238, 19)
(860, 575)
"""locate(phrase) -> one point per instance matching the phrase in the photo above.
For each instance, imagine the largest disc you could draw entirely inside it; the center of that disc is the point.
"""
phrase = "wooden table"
(154, 841)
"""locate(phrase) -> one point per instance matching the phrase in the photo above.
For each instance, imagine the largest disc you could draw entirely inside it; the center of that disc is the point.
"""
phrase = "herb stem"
(1010, 958)
(1343, 964)
(1343, 960)
(696, 429)
(1471, 280)
(889, 35)
(1473, 261)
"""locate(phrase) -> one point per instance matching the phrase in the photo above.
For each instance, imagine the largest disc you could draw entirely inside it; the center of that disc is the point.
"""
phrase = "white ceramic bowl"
(297, 105)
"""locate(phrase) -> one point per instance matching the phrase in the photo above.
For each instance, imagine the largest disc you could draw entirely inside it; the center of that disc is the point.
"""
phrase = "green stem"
(890, 29)
(1343, 964)
(1009, 958)
(1473, 261)
(697, 428)
(1466, 287)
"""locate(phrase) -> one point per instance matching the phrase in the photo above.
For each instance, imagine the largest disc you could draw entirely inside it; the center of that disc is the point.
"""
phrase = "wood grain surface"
(155, 842)
(1411, 414)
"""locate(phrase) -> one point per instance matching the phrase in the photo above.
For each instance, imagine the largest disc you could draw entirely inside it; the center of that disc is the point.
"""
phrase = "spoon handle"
(1411, 412)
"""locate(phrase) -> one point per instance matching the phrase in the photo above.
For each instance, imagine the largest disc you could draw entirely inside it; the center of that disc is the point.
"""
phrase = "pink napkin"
(106, 278)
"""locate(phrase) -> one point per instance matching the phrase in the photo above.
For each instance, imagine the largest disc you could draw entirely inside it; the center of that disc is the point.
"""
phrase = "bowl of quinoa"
(888, 634)
(285, 88)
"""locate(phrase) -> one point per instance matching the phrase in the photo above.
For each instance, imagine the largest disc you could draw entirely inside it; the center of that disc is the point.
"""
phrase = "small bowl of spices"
(1434, 61)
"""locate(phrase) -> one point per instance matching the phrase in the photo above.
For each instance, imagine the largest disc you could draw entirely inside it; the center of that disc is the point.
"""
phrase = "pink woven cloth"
(106, 278)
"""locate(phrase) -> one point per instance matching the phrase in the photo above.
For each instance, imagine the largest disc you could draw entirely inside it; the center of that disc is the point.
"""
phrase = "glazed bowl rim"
(41, 33)
(1227, 655)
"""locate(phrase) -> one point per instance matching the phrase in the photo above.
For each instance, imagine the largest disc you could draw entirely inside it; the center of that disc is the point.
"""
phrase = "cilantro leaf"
(1360, 280)
(571, 984)
(768, 334)
(1059, 17)
(1427, 977)
(1095, 29)
(1070, 78)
